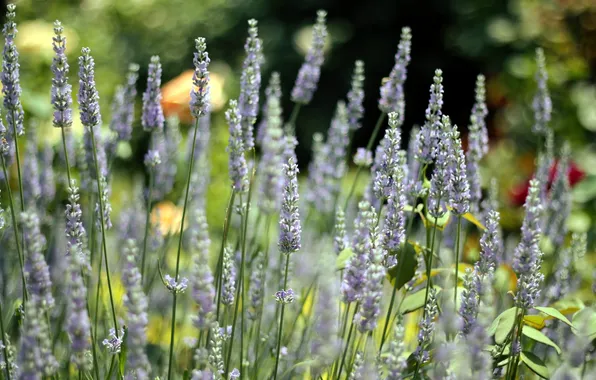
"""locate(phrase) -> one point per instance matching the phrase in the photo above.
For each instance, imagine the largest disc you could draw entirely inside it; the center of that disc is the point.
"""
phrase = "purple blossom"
(440, 178)
(229, 279)
(285, 296)
(237, 162)
(36, 359)
(123, 105)
(458, 187)
(166, 142)
(203, 291)
(477, 142)
(175, 285)
(372, 291)
(355, 97)
(200, 93)
(527, 257)
(542, 103)
(355, 272)
(255, 288)
(310, 72)
(46, 176)
(114, 342)
(393, 233)
(427, 328)
(31, 184)
(61, 89)
(388, 161)
(273, 91)
(250, 84)
(558, 205)
(340, 238)
(395, 360)
(289, 216)
(75, 231)
(152, 118)
(491, 244)
(363, 157)
(271, 165)
(37, 271)
(430, 134)
(392, 91)
(136, 304)
(11, 86)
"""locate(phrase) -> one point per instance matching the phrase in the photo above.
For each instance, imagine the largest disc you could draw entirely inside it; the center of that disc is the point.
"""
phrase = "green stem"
(281, 319)
(457, 244)
(343, 359)
(430, 265)
(260, 315)
(4, 343)
(15, 228)
(147, 216)
(111, 367)
(103, 230)
(16, 147)
(368, 147)
(294, 115)
(219, 269)
(66, 156)
(176, 277)
(388, 316)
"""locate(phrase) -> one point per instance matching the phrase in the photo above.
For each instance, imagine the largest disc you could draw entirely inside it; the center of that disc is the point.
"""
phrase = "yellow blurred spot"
(167, 216)
(35, 37)
(176, 95)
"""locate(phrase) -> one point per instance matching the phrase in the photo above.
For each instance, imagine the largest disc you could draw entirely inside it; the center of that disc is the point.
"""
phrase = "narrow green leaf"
(343, 257)
(407, 269)
(535, 364)
(585, 322)
(504, 325)
(554, 313)
(538, 336)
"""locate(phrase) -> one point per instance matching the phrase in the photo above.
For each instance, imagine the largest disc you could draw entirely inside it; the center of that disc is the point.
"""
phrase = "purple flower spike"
(123, 106)
(11, 86)
(458, 186)
(289, 217)
(199, 95)
(392, 91)
(237, 162)
(477, 142)
(542, 103)
(152, 118)
(61, 89)
(430, 133)
(310, 72)
(250, 84)
(356, 97)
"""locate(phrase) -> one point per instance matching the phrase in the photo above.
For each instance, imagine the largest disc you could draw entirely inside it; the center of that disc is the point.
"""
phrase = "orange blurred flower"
(167, 216)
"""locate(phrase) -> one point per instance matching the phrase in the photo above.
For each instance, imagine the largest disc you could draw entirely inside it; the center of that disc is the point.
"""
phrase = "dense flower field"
(397, 271)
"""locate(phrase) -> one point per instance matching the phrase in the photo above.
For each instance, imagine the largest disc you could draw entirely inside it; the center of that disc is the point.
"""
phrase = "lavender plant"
(309, 303)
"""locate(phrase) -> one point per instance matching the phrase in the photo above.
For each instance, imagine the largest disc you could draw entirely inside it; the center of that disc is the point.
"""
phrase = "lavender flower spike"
(229, 278)
(250, 83)
(388, 160)
(199, 95)
(395, 360)
(392, 91)
(237, 162)
(430, 132)
(273, 91)
(61, 89)
(310, 72)
(491, 244)
(135, 301)
(393, 233)
(78, 324)
(203, 291)
(458, 186)
(152, 118)
(527, 257)
(289, 217)
(36, 268)
(559, 202)
(440, 179)
(372, 292)
(356, 97)
(11, 86)
(340, 236)
(355, 271)
(427, 328)
(477, 142)
(123, 106)
(542, 103)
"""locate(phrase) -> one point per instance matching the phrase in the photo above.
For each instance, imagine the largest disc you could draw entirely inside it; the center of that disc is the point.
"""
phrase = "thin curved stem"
(4, 343)
(219, 269)
(103, 230)
(147, 217)
(281, 319)
(16, 147)
(176, 277)
(457, 244)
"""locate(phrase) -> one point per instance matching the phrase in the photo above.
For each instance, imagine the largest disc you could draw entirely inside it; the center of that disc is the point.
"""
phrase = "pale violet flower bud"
(363, 157)
(175, 286)
(285, 296)
(113, 343)
(392, 91)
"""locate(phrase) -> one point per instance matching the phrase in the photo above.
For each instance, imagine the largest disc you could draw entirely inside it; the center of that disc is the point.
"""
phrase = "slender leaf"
(343, 257)
(554, 313)
(503, 324)
(536, 335)
(535, 364)
(414, 301)
(407, 268)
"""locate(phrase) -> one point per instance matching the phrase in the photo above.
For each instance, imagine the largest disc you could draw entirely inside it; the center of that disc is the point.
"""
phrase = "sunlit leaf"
(554, 313)
(535, 364)
(585, 322)
(503, 324)
(343, 257)
(536, 335)
(535, 321)
(415, 301)
(407, 267)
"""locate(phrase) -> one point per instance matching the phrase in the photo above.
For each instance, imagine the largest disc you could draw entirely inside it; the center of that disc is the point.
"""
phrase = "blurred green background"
(463, 37)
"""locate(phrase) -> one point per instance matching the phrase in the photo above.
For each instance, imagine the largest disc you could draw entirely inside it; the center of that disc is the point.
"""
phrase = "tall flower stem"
(281, 319)
(294, 114)
(260, 315)
(368, 147)
(15, 228)
(347, 346)
(66, 156)
(4, 345)
(177, 272)
(147, 216)
(457, 244)
(103, 230)
(16, 147)
(219, 269)
(430, 264)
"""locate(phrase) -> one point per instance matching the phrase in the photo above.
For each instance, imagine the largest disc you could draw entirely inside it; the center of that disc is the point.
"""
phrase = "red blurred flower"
(518, 194)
